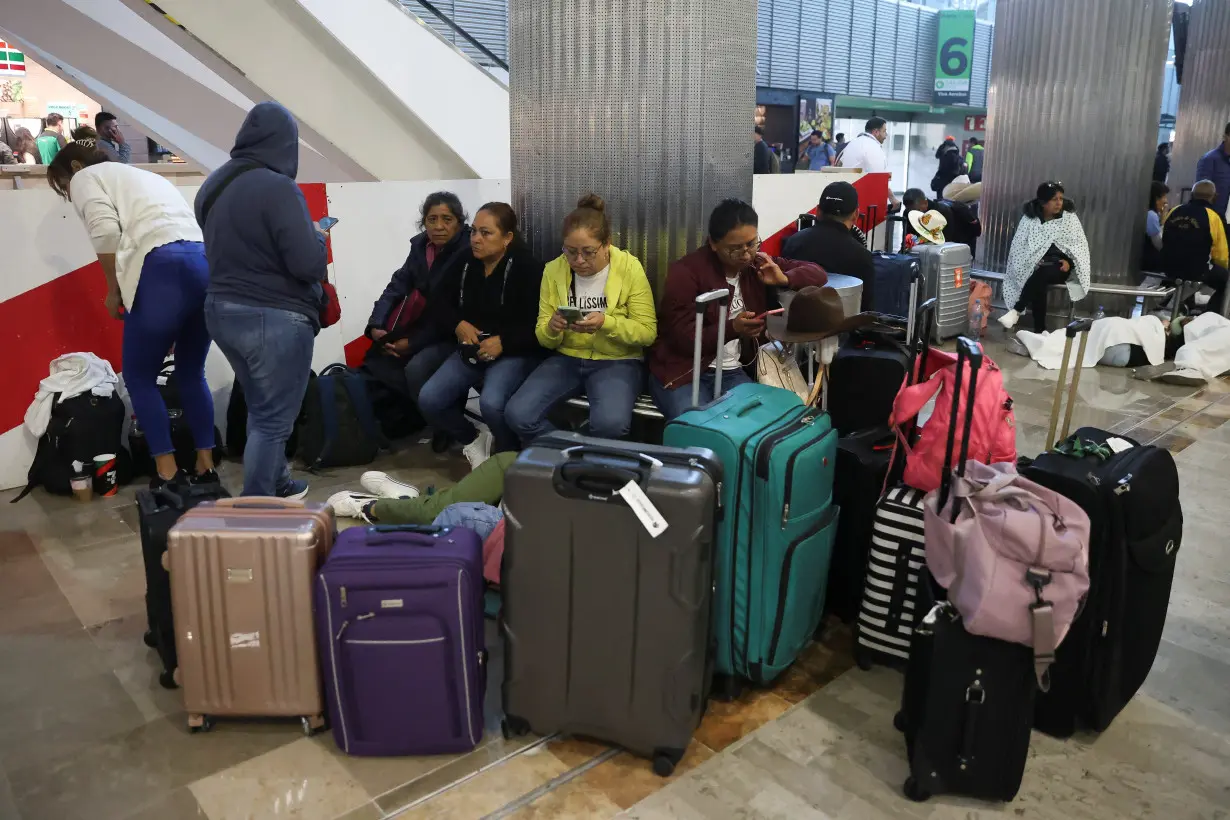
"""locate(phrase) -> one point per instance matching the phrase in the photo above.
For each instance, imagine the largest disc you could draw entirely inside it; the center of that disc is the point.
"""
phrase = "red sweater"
(670, 358)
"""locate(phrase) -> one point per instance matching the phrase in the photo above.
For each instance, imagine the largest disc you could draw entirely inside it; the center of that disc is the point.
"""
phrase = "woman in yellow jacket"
(596, 311)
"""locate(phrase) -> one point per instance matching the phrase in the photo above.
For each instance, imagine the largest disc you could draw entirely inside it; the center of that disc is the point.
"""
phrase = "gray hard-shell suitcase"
(607, 628)
(946, 271)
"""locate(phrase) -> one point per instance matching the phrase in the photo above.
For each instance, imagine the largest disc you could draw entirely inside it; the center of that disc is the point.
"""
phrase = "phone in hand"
(777, 312)
(327, 222)
(571, 314)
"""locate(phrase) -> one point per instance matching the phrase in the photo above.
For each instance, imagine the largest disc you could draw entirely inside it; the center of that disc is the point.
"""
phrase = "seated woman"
(1049, 248)
(492, 313)
(1151, 253)
(731, 260)
(599, 348)
(409, 342)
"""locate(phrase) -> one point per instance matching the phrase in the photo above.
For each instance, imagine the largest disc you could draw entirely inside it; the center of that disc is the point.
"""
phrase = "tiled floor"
(86, 732)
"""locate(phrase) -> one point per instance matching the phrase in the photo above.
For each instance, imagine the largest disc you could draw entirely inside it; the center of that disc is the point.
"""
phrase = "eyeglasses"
(588, 254)
(740, 251)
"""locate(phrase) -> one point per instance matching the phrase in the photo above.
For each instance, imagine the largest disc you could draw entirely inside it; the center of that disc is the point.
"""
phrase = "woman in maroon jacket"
(731, 259)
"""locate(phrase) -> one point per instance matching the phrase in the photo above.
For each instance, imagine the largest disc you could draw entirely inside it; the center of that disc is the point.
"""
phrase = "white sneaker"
(385, 486)
(348, 504)
(478, 450)
(1009, 319)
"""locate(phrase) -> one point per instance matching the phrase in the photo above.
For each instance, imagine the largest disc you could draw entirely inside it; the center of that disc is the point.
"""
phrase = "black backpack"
(337, 427)
(237, 425)
(79, 429)
(181, 433)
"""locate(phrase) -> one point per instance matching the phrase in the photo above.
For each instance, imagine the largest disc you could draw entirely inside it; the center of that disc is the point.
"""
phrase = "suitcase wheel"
(663, 765)
(166, 679)
(726, 688)
(899, 721)
(200, 723)
(150, 639)
(312, 724)
(513, 727)
(914, 791)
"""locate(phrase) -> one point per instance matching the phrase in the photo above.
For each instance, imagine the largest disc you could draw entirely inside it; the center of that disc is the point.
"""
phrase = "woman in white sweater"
(152, 255)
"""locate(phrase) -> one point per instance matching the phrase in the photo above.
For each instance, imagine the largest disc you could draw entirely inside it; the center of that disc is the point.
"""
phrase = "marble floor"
(86, 731)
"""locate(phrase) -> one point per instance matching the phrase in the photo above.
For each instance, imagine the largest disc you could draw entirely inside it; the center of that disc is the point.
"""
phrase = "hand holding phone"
(571, 314)
(777, 312)
(327, 222)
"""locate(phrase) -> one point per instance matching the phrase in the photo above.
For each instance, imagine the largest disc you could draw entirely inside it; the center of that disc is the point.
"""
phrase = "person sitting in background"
(1194, 244)
(599, 349)
(6, 154)
(409, 340)
(1161, 162)
(112, 140)
(731, 259)
(149, 247)
(1151, 253)
(1049, 248)
(830, 243)
(51, 140)
(963, 226)
(493, 312)
(266, 265)
(24, 147)
(762, 154)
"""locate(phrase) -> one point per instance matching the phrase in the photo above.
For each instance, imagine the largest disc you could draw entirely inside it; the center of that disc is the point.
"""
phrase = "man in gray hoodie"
(266, 265)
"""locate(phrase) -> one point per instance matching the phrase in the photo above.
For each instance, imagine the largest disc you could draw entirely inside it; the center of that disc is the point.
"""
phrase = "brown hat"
(814, 314)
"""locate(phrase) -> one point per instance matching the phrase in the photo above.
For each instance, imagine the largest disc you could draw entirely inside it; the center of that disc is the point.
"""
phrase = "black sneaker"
(180, 479)
(207, 477)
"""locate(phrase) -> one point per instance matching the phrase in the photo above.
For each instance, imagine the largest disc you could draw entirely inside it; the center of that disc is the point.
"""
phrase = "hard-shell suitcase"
(1131, 493)
(895, 273)
(862, 468)
(399, 620)
(157, 512)
(606, 624)
(242, 572)
(777, 522)
(968, 699)
(946, 271)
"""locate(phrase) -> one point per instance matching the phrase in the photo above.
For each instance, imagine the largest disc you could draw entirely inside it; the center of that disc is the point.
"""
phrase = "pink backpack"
(992, 436)
(493, 554)
(1015, 561)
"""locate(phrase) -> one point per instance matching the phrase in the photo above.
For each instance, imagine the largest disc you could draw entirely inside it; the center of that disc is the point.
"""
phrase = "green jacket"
(48, 144)
(631, 322)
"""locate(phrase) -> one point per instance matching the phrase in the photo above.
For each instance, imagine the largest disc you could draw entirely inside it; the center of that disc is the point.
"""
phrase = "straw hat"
(930, 225)
(962, 190)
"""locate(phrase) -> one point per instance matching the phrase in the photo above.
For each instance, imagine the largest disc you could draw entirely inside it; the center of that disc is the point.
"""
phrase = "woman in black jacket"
(409, 342)
(492, 314)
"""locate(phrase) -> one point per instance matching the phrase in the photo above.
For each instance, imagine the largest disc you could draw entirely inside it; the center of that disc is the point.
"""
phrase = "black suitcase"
(157, 512)
(862, 468)
(1132, 498)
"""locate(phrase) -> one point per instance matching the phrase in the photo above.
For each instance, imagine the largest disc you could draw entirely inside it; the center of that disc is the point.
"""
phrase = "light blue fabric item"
(472, 515)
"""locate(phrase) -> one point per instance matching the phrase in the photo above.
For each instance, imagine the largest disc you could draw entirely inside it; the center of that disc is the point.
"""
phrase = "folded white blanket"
(70, 375)
(1047, 348)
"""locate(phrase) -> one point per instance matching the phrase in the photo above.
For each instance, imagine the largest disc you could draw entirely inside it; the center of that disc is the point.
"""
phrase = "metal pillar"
(1074, 95)
(648, 104)
(1204, 97)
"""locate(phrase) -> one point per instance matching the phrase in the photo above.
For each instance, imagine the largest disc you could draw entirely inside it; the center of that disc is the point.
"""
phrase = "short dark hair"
(101, 118)
(1157, 189)
(446, 198)
(589, 215)
(1163, 146)
(730, 214)
(84, 132)
(503, 214)
(56, 119)
(875, 124)
(816, 133)
(841, 137)
(973, 141)
(759, 129)
(60, 170)
(913, 195)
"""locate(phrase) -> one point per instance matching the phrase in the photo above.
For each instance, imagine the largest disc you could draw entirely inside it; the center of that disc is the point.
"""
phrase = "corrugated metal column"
(1075, 91)
(1204, 98)
(647, 103)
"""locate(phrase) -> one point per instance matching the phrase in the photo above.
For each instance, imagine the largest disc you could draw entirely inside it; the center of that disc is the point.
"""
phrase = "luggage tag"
(1118, 445)
(644, 509)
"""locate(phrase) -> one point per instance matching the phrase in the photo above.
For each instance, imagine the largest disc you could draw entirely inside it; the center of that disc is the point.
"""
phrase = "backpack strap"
(222, 185)
(356, 388)
(327, 394)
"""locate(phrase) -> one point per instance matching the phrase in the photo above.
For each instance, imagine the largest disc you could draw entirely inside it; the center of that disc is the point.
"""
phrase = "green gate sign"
(954, 57)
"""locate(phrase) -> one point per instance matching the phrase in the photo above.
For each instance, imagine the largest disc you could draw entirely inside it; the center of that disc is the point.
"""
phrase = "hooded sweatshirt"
(262, 248)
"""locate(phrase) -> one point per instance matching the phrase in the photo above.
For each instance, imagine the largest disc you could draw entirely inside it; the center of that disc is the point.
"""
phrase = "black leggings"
(1034, 293)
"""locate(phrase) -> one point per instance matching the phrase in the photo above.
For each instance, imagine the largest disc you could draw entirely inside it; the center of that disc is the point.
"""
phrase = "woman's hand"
(378, 334)
(490, 349)
(398, 348)
(746, 324)
(467, 334)
(114, 303)
(1064, 266)
(769, 272)
(558, 323)
(590, 323)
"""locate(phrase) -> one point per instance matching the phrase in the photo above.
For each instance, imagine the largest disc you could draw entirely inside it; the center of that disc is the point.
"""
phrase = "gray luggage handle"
(1079, 327)
(722, 297)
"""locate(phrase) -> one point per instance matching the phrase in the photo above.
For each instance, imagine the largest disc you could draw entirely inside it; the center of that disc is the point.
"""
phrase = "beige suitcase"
(242, 572)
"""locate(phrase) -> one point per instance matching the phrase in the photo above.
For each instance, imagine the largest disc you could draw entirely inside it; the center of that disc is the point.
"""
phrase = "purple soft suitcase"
(399, 615)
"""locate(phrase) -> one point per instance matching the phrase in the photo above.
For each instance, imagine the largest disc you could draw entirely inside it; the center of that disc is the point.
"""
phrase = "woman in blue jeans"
(150, 250)
(493, 314)
(266, 265)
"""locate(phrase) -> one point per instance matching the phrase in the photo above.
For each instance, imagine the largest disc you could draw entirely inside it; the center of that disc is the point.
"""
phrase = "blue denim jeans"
(442, 400)
(270, 351)
(611, 385)
(675, 402)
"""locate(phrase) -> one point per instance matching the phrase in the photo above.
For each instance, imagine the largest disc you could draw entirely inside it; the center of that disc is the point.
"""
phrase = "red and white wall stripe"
(51, 287)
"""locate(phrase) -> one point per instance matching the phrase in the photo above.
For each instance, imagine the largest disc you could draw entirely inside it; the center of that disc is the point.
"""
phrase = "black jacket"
(762, 158)
(963, 225)
(833, 247)
(504, 304)
(951, 165)
(1161, 166)
(436, 284)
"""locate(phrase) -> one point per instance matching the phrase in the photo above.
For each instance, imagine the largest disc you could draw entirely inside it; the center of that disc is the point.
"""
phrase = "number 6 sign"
(954, 57)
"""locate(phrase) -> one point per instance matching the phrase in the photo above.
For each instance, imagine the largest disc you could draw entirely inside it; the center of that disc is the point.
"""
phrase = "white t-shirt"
(129, 212)
(865, 152)
(730, 356)
(588, 293)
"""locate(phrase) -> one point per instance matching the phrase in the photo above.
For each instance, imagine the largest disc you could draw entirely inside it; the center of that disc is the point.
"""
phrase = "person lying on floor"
(386, 500)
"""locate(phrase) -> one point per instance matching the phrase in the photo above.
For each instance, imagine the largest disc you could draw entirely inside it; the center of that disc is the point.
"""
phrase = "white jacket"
(71, 375)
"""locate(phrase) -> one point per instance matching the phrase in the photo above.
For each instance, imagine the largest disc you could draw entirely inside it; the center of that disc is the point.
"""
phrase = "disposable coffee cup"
(106, 480)
(83, 487)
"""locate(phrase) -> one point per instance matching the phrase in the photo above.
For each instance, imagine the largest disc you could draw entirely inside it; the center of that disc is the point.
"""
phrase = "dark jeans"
(1034, 293)
(611, 385)
(674, 402)
(1216, 278)
(270, 351)
(407, 375)
(169, 310)
(442, 400)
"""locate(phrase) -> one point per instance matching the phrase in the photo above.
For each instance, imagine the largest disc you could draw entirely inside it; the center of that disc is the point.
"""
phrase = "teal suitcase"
(776, 521)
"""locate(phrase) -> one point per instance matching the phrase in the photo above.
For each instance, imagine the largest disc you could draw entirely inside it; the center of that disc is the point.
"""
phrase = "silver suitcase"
(946, 273)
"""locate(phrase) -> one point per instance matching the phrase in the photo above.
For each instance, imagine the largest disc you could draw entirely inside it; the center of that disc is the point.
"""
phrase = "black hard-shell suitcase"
(606, 627)
(157, 512)
(1132, 498)
(862, 468)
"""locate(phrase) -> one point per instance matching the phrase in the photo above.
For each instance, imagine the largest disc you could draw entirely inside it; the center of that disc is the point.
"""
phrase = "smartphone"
(771, 313)
(570, 313)
(327, 222)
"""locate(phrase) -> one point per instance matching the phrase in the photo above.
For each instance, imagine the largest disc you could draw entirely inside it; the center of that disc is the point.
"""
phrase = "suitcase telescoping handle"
(1080, 327)
(971, 352)
(722, 297)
